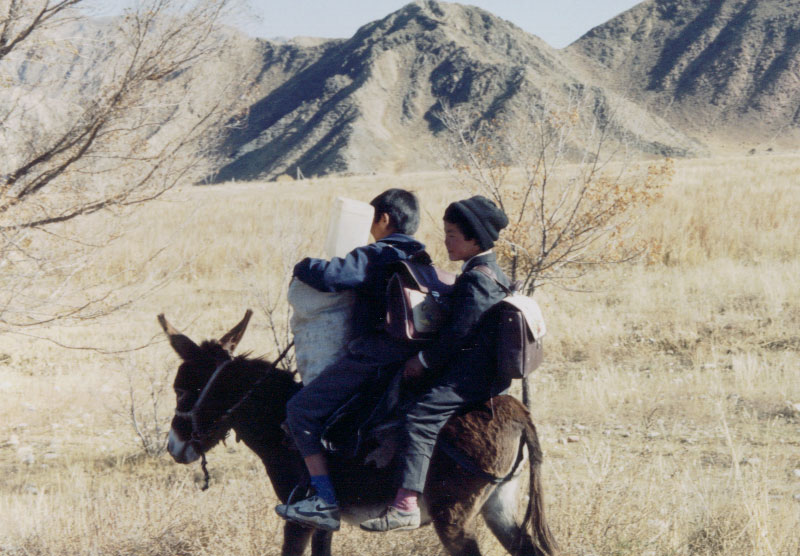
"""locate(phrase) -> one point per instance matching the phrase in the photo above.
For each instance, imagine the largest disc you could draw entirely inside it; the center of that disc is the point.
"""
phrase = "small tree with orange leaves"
(567, 182)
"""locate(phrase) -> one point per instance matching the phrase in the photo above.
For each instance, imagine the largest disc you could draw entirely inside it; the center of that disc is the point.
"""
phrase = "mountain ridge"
(712, 68)
(679, 74)
(366, 103)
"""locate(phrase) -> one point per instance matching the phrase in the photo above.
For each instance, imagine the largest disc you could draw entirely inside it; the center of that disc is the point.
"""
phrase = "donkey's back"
(487, 443)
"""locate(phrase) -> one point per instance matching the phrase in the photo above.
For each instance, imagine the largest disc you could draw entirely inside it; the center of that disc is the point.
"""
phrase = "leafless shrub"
(271, 297)
(566, 181)
(147, 394)
(104, 126)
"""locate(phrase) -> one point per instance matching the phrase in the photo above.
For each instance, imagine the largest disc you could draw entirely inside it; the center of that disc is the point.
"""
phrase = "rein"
(197, 438)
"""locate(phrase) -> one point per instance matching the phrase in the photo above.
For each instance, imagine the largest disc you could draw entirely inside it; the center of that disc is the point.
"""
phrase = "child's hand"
(413, 369)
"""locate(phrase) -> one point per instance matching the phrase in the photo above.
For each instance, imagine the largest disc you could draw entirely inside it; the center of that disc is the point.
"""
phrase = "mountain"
(282, 59)
(722, 70)
(369, 103)
(669, 76)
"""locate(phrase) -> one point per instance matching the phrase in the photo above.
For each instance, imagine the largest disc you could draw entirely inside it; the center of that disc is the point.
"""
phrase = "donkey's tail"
(534, 520)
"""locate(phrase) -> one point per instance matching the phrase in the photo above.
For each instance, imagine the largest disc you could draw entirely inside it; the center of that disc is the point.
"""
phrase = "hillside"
(369, 103)
(676, 76)
(50, 86)
(714, 69)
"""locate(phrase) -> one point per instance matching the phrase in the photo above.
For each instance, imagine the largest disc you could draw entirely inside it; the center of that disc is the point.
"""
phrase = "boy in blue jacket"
(365, 270)
(460, 365)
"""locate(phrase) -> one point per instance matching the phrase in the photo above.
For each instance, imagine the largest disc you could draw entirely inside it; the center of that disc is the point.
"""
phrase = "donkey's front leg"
(295, 539)
(321, 543)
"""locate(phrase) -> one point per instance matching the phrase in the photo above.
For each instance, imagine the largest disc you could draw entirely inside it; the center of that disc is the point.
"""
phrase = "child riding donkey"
(458, 368)
(454, 371)
(366, 271)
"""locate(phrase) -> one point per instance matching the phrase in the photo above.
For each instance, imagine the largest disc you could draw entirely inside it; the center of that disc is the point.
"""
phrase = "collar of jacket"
(479, 259)
(402, 239)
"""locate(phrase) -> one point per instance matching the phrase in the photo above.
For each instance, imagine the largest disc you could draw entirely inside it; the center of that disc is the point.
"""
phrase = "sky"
(558, 22)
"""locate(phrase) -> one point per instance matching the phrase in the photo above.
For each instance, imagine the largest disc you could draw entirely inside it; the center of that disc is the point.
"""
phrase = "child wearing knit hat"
(457, 369)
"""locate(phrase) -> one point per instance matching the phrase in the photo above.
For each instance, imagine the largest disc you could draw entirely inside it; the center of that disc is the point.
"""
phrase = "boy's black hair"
(456, 217)
(402, 207)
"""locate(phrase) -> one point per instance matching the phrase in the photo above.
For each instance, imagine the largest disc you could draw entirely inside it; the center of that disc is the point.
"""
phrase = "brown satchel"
(416, 299)
(519, 350)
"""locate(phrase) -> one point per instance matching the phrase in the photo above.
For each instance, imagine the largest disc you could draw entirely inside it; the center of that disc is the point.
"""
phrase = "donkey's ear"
(186, 348)
(230, 340)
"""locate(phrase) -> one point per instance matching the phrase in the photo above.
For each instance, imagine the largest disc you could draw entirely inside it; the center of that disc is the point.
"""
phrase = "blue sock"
(322, 484)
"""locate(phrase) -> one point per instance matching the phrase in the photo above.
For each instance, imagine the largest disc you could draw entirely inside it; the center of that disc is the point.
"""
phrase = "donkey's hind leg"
(454, 506)
(500, 511)
(459, 538)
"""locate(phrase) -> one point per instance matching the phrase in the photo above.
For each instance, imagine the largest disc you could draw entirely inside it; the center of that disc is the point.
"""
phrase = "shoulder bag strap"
(485, 270)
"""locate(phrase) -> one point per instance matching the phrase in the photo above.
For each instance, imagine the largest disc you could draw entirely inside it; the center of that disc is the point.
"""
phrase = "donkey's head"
(197, 425)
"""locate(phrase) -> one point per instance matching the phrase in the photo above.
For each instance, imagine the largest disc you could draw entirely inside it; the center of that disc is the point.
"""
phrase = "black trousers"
(462, 385)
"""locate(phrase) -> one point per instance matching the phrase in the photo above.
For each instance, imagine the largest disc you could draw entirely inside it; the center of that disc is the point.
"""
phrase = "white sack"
(322, 326)
(322, 322)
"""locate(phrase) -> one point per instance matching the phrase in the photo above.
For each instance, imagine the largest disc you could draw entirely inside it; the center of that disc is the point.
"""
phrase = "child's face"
(458, 248)
(381, 227)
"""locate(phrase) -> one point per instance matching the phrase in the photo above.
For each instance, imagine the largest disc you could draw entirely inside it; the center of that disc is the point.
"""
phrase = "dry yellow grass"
(677, 378)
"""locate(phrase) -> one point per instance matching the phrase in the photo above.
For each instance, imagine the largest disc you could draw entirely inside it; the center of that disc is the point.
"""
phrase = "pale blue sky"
(558, 22)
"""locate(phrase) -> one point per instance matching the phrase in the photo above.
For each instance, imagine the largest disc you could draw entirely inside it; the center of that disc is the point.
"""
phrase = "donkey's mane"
(212, 348)
(263, 365)
(273, 379)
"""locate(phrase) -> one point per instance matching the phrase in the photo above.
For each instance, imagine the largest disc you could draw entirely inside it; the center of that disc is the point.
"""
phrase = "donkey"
(217, 392)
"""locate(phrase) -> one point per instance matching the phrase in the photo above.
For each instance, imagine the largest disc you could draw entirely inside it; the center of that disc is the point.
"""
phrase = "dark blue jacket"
(462, 340)
(365, 270)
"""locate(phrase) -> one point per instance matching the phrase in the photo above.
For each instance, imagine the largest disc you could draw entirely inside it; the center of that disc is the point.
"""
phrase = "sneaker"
(393, 519)
(311, 512)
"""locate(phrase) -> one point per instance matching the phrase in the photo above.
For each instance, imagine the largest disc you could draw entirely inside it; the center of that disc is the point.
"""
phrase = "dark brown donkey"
(217, 392)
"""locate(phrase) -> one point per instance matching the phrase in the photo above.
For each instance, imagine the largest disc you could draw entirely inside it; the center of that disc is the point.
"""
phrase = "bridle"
(197, 438)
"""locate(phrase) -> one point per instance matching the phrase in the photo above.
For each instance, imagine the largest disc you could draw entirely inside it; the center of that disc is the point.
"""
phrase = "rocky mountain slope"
(369, 103)
(676, 73)
(724, 69)
(48, 88)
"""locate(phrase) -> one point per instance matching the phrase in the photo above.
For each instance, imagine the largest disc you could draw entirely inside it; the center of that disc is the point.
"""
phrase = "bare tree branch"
(21, 20)
(578, 195)
(122, 115)
(156, 339)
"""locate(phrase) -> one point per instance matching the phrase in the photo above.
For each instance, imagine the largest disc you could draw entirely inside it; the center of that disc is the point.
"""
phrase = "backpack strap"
(426, 277)
(486, 271)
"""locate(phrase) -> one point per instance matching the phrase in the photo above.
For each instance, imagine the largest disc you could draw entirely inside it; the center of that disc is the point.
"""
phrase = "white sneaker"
(312, 512)
(393, 519)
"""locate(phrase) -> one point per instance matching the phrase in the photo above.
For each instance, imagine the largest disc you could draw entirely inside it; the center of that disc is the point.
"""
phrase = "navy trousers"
(309, 409)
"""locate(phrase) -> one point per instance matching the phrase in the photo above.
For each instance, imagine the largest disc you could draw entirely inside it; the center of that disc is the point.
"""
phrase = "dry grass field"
(668, 406)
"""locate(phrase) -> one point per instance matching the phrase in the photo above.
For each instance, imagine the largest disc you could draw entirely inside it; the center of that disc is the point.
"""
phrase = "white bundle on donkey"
(321, 321)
